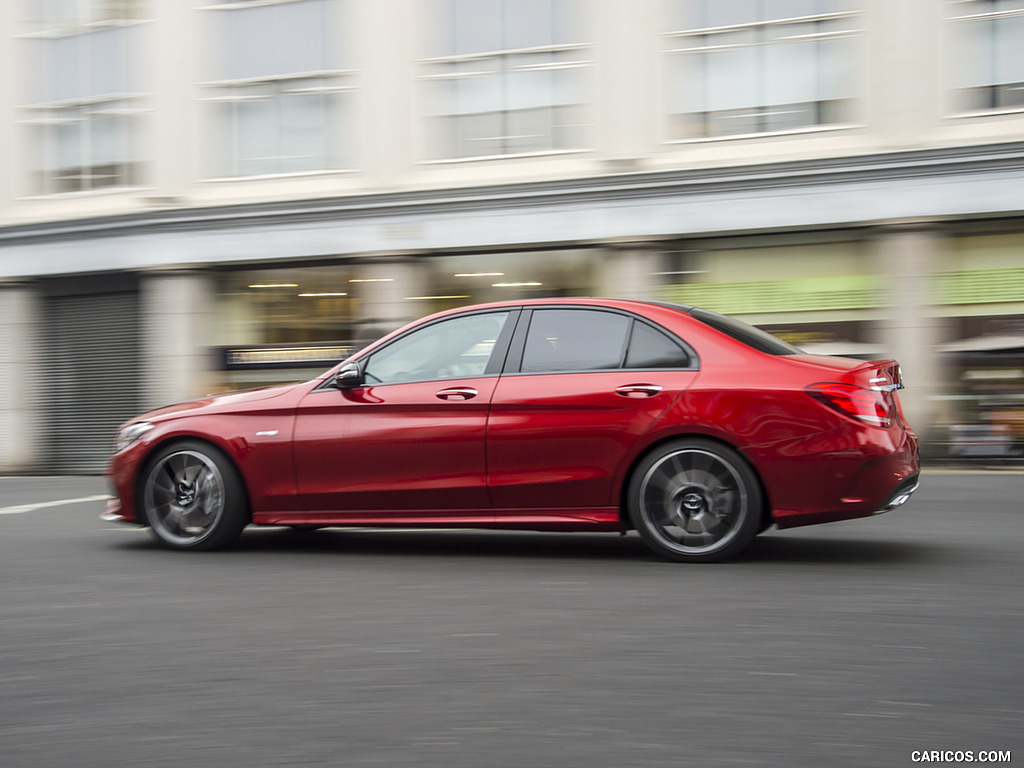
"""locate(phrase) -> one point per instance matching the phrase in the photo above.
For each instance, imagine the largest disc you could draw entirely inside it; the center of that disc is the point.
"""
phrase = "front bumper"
(112, 512)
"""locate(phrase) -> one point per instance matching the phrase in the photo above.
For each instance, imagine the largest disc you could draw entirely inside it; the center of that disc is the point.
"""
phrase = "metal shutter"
(92, 378)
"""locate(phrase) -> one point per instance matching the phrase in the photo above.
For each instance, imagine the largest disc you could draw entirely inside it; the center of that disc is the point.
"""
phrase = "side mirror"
(349, 376)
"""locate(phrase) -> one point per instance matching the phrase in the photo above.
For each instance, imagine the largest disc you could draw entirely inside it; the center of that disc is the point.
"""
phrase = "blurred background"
(204, 196)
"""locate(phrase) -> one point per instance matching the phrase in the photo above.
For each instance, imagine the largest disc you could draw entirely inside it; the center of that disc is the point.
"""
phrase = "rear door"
(585, 384)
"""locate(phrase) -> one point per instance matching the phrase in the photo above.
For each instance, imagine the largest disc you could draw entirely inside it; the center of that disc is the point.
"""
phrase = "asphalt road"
(854, 644)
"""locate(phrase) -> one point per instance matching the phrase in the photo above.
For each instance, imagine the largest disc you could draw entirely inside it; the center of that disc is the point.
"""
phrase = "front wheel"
(192, 497)
(695, 501)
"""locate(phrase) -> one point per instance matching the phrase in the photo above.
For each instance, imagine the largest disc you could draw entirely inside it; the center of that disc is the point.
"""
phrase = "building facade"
(199, 196)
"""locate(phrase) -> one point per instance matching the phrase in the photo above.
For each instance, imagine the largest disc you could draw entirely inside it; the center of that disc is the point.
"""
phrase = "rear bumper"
(901, 495)
(847, 482)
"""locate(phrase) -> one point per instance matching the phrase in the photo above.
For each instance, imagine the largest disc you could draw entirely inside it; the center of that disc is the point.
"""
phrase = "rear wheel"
(695, 501)
(193, 497)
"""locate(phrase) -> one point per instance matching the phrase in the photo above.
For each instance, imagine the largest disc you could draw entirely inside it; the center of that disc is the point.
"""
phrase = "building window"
(507, 77)
(85, 109)
(281, 95)
(760, 66)
(989, 65)
(62, 14)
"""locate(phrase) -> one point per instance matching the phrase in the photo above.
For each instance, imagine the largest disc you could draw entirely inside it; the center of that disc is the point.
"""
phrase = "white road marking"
(23, 508)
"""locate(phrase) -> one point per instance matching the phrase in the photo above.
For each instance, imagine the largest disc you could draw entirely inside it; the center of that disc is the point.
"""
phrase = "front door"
(410, 442)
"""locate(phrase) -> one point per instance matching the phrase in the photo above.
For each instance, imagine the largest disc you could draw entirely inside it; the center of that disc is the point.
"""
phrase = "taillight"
(865, 405)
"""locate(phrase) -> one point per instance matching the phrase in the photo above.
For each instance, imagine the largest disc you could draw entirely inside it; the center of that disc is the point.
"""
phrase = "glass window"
(86, 106)
(295, 305)
(754, 67)
(989, 64)
(283, 103)
(455, 281)
(574, 340)
(506, 77)
(458, 348)
(651, 348)
(753, 337)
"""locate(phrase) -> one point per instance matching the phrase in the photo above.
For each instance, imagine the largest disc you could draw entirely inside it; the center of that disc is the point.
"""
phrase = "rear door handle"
(457, 393)
(638, 390)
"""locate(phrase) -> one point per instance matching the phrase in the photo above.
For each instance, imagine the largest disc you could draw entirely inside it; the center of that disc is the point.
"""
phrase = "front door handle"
(457, 393)
(638, 390)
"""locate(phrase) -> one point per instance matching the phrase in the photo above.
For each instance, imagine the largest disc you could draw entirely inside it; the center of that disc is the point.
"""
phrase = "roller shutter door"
(93, 376)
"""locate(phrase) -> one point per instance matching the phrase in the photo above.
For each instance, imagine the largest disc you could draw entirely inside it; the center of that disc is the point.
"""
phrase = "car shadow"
(451, 543)
(788, 548)
(781, 548)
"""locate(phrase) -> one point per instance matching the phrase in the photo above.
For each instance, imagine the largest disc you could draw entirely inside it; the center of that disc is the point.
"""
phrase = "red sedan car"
(695, 429)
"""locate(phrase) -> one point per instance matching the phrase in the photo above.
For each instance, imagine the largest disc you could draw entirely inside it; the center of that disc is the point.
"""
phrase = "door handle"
(638, 390)
(457, 393)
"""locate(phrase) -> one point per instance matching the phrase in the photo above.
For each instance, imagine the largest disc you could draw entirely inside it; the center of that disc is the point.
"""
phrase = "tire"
(192, 497)
(695, 501)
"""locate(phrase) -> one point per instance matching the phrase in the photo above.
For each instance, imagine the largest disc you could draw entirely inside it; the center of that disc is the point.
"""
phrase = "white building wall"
(907, 257)
(906, 65)
(177, 317)
(20, 414)
(174, 130)
(8, 109)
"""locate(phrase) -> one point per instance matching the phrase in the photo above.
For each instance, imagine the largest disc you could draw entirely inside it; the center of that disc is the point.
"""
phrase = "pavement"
(850, 644)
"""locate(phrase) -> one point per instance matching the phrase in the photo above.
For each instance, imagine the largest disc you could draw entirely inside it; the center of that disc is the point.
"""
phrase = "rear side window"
(650, 348)
(574, 340)
(747, 334)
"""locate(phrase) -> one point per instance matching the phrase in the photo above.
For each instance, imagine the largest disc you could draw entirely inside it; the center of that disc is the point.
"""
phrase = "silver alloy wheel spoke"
(185, 494)
(694, 500)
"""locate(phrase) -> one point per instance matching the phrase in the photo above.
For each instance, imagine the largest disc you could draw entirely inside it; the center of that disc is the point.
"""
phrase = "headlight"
(130, 434)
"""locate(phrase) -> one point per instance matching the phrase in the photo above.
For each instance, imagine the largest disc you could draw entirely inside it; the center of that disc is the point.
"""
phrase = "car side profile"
(694, 429)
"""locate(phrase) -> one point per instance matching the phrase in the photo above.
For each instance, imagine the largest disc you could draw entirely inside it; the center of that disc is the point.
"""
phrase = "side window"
(450, 349)
(650, 348)
(574, 340)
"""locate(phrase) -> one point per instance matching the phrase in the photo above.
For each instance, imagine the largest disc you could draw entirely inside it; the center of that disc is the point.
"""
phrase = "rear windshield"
(760, 340)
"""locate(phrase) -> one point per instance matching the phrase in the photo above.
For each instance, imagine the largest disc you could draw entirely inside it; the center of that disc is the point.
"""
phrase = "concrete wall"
(20, 409)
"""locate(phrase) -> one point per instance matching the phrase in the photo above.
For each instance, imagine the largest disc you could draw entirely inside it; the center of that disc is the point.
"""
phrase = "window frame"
(222, 98)
(517, 347)
(495, 365)
(960, 14)
(43, 115)
(579, 55)
(678, 47)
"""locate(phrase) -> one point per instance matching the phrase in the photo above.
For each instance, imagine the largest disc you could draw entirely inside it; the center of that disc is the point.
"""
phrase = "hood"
(219, 401)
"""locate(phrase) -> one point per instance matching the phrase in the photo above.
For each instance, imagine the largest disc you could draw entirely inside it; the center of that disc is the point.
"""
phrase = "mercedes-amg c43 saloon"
(694, 429)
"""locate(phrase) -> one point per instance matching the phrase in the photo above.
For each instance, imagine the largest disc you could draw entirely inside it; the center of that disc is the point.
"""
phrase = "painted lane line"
(23, 508)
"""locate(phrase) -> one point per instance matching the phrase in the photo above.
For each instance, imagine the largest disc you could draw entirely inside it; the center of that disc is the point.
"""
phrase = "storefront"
(288, 323)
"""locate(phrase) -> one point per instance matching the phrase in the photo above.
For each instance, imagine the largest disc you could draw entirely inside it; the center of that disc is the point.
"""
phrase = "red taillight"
(865, 405)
